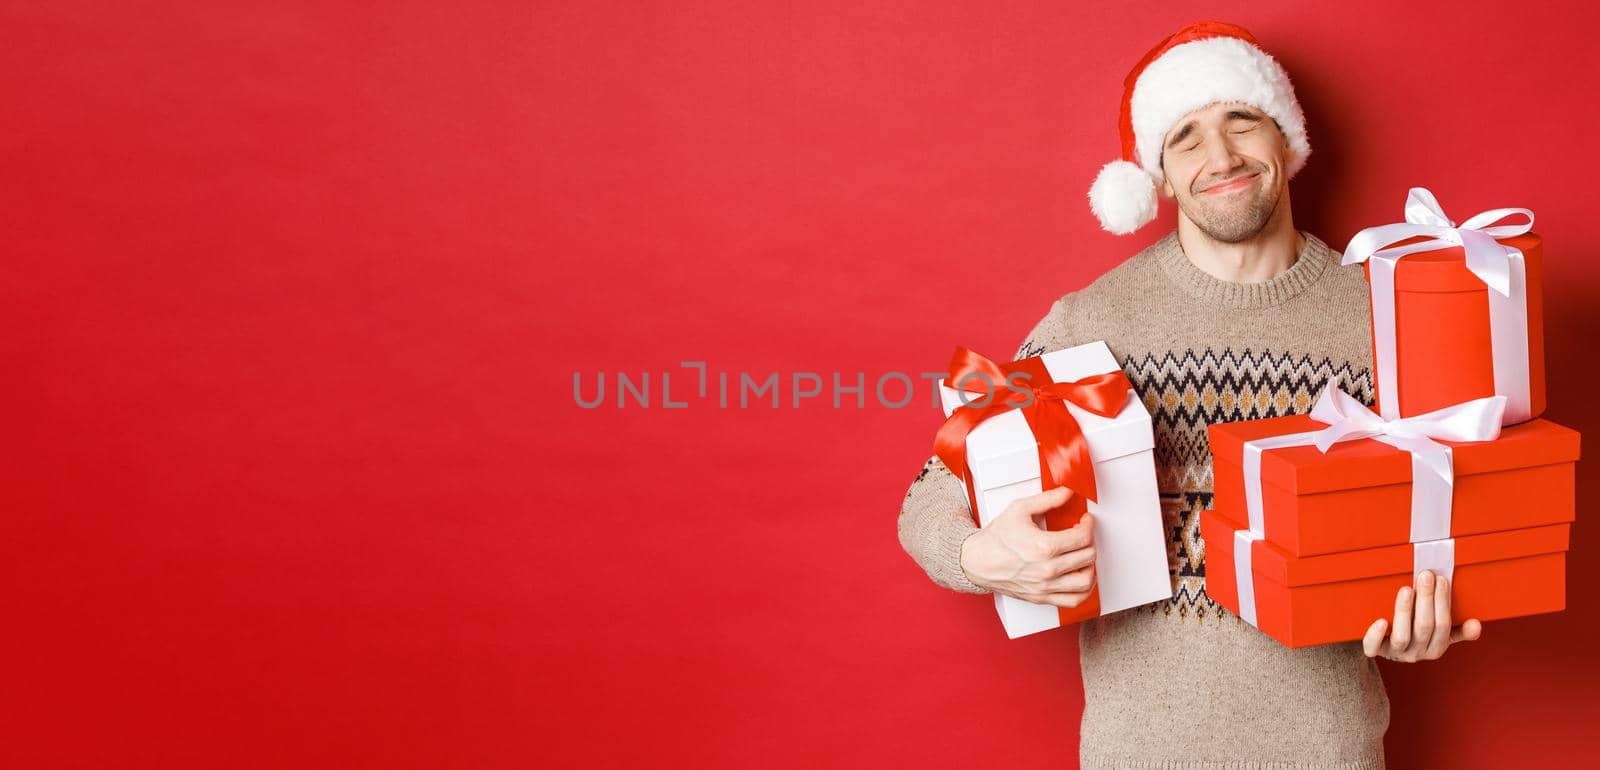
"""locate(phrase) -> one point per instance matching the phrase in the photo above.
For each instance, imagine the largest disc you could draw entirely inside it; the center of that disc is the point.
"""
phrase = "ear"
(1285, 150)
(1165, 188)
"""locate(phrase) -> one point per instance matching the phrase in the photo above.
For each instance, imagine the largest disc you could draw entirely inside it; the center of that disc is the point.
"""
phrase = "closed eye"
(1236, 117)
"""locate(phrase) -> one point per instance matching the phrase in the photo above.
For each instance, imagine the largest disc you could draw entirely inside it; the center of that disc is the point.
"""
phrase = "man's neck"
(1261, 258)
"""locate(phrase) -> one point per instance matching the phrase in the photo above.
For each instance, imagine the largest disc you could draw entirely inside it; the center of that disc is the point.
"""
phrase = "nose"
(1221, 156)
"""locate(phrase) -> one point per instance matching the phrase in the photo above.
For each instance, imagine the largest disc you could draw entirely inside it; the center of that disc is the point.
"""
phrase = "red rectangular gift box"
(1335, 597)
(1358, 494)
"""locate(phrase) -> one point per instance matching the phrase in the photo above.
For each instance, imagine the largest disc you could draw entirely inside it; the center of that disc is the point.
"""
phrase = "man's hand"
(1421, 627)
(1016, 557)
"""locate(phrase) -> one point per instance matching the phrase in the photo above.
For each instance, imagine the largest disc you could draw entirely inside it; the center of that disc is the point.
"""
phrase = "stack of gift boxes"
(1320, 518)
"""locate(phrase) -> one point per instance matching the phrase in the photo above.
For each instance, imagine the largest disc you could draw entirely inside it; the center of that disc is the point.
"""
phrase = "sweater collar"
(1310, 263)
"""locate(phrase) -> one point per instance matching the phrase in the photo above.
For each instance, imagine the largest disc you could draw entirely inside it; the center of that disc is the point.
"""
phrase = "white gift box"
(1129, 541)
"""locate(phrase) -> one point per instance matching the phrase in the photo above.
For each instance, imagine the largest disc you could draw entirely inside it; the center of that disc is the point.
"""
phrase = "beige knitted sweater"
(1184, 683)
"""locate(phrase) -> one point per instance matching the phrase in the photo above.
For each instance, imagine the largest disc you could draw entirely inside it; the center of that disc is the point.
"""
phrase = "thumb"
(1044, 501)
(1079, 535)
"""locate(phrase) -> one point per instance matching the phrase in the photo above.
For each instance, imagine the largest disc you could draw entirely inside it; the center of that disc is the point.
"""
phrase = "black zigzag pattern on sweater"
(1187, 391)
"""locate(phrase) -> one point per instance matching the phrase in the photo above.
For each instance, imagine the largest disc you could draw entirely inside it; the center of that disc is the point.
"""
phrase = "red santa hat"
(1202, 64)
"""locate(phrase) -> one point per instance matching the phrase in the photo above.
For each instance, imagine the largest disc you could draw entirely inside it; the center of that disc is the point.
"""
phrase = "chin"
(1235, 224)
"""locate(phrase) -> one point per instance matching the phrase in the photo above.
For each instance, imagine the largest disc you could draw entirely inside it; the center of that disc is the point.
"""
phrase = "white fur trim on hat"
(1123, 197)
(1204, 72)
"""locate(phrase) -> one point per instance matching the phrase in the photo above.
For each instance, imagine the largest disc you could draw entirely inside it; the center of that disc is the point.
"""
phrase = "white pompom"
(1123, 197)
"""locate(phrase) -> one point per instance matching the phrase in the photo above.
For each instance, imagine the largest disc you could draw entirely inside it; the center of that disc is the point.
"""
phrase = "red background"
(295, 294)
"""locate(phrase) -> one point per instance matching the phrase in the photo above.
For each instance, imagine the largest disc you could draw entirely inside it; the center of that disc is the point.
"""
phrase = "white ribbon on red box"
(1432, 472)
(1499, 266)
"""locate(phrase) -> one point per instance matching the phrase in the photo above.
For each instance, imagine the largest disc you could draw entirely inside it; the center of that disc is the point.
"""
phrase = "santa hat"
(1202, 64)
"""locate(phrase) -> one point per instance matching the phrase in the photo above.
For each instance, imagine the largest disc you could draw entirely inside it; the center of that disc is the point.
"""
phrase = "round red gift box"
(1442, 342)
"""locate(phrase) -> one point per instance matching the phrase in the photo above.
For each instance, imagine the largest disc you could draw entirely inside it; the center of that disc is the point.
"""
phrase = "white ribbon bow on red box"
(1499, 266)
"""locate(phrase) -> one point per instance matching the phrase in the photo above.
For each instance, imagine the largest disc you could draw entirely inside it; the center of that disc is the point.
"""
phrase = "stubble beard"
(1234, 221)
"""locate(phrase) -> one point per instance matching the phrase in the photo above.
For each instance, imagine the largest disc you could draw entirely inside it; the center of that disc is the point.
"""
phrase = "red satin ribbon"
(1063, 450)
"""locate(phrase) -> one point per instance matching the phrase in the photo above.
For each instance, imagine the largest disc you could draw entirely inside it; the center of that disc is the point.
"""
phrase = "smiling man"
(1235, 315)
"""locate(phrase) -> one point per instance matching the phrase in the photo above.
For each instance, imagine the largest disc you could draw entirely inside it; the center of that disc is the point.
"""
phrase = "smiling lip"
(1233, 185)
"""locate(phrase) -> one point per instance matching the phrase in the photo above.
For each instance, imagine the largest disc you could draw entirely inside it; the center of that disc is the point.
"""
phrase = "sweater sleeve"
(935, 519)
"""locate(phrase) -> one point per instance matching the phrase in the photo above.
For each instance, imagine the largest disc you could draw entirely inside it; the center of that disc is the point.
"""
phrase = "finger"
(1422, 622)
(1073, 538)
(1469, 631)
(1067, 599)
(1077, 581)
(1441, 617)
(1071, 561)
(1034, 505)
(1400, 637)
(1372, 643)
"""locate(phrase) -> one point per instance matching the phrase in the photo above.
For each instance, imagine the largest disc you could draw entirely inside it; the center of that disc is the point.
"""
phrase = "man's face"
(1226, 166)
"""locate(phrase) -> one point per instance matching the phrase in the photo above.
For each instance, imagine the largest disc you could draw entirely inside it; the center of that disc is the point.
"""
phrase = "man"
(1235, 315)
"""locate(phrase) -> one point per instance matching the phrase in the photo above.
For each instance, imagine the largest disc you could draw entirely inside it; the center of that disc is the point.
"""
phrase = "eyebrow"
(1188, 128)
